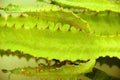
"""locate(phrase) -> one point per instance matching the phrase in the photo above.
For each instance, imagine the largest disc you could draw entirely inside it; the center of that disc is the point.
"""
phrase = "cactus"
(99, 5)
(51, 31)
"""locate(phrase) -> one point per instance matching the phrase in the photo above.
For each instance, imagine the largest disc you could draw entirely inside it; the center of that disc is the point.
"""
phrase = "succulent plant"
(69, 35)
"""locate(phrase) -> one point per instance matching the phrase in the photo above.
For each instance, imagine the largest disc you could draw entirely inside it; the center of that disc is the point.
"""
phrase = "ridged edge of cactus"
(100, 5)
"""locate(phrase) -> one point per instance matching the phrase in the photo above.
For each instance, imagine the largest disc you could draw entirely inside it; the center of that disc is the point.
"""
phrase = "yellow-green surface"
(62, 34)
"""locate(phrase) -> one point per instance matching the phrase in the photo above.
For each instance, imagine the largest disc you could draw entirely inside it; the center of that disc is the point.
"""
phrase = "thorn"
(47, 27)
(5, 25)
(66, 62)
(22, 26)
(36, 59)
(119, 14)
(10, 15)
(100, 34)
(80, 29)
(13, 25)
(27, 56)
(0, 14)
(8, 52)
(21, 15)
(117, 34)
(69, 30)
(20, 55)
(96, 13)
(12, 53)
(17, 52)
(35, 26)
(61, 9)
(94, 32)
(108, 12)
(108, 35)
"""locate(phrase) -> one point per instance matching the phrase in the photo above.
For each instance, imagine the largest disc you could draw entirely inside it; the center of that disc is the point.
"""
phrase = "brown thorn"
(108, 35)
(35, 26)
(69, 30)
(21, 15)
(108, 12)
(117, 33)
(94, 32)
(96, 13)
(61, 9)
(12, 53)
(22, 26)
(27, 57)
(36, 59)
(8, 52)
(13, 25)
(10, 15)
(47, 28)
(5, 25)
(20, 55)
(80, 29)
(100, 34)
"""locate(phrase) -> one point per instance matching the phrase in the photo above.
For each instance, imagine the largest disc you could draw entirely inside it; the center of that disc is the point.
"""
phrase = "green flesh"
(42, 72)
(58, 38)
(99, 5)
(103, 24)
(63, 17)
(49, 44)
(44, 43)
(40, 38)
(54, 33)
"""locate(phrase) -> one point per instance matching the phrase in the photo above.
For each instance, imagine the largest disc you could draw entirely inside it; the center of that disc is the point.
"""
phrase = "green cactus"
(99, 5)
(51, 31)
